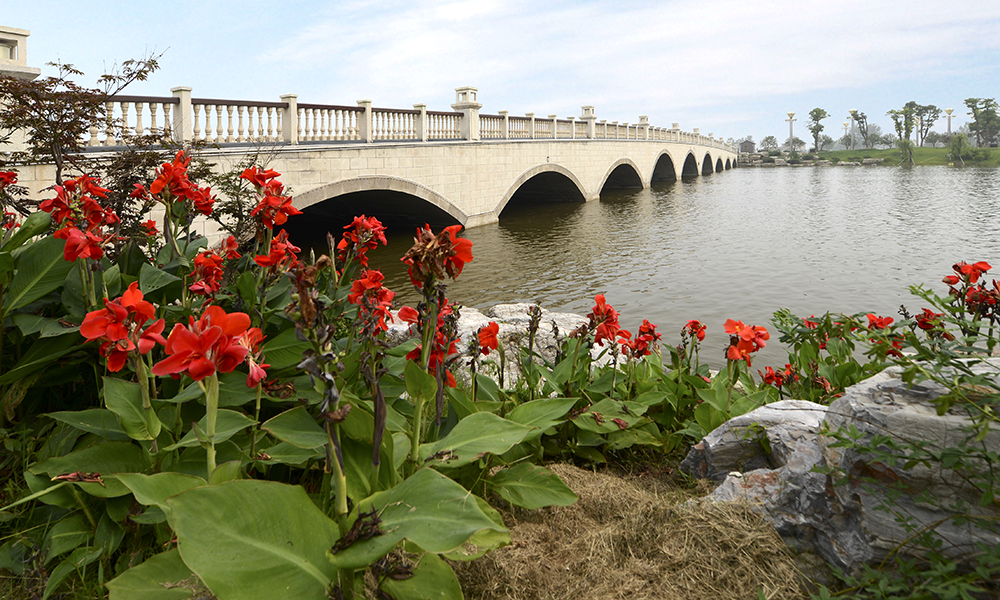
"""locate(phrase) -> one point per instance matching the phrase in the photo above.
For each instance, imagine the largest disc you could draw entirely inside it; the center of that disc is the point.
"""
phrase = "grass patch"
(893, 157)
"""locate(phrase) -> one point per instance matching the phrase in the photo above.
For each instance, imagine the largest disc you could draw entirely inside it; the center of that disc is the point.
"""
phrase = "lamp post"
(846, 126)
(854, 115)
(948, 112)
(791, 119)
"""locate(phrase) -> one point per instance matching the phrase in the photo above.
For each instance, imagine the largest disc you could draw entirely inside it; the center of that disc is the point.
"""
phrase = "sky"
(732, 68)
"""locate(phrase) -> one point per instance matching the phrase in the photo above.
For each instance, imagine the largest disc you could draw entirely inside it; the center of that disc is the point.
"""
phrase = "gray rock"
(844, 524)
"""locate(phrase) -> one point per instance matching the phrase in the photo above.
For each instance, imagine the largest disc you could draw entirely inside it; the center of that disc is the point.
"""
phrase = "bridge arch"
(719, 166)
(663, 168)
(707, 168)
(554, 174)
(728, 165)
(378, 183)
(623, 173)
(690, 168)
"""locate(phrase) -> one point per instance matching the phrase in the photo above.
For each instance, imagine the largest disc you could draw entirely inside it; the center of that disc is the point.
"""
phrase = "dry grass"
(632, 537)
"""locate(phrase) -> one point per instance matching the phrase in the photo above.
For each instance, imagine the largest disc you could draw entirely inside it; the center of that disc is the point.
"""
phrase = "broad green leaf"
(531, 486)
(543, 413)
(109, 535)
(284, 350)
(358, 466)
(107, 459)
(472, 438)
(619, 440)
(297, 427)
(6, 265)
(153, 490)
(45, 490)
(419, 383)
(244, 537)
(124, 398)
(152, 279)
(233, 390)
(708, 417)
(228, 423)
(489, 390)
(601, 416)
(34, 224)
(98, 421)
(433, 579)
(162, 577)
(228, 471)
(76, 560)
(29, 323)
(113, 280)
(287, 454)
(40, 270)
(428, 509)
(56, 327)
(483, 540)
(66, 535)
(40, 355)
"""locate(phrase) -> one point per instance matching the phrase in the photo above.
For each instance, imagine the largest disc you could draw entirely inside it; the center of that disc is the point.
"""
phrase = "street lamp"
(791, 119)
(846, 126)
(948, 112)
(854, 116)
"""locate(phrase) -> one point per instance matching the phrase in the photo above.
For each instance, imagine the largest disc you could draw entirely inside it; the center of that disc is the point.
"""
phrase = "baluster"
(153, 129)
(197, 121)
(167, 129)
(229, 114)
(324, 116)
(240, 137)
(209, 134)
(280, 131)
(93, 134)
(309, 121)
(260, 124)
(139, 130)
(124, 126)
(109, 116)
(270, 129)
(218, 124)
(300, 120)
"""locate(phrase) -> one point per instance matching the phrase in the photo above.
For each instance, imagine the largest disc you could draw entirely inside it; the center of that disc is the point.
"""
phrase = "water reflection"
(737, 245)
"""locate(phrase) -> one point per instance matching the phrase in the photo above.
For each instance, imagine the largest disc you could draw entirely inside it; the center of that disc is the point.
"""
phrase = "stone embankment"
(763, 160)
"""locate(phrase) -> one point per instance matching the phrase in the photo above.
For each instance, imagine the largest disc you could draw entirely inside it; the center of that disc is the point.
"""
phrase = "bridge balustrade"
(214, 121)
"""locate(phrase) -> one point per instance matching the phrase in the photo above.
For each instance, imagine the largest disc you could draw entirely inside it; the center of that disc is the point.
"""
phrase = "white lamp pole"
(854, 114)
(948, 112)
(791, 119)
(846, 127)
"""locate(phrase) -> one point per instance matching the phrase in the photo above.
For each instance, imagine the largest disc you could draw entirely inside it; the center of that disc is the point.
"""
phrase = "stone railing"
(186, 119)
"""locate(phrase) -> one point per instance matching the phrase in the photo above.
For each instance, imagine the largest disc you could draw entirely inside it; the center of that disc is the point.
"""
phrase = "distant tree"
(815, 127)
(958, 147)
(926, 116)
(985, 121)
(796, 143)
(769, 143)
(885, 140)
(825, 143)
(934, 138)
(861, 123)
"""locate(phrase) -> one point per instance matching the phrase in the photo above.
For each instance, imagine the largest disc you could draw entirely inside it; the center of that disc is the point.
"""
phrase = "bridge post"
(365, 121)
(675, 132)
(572, 128)
(644, 124)
(604, 126)
(290, 119)
(531, 124)
(588, 116)
(505, 124)
(420, 126)
(465, 103)
(555, 126)
(183, 129)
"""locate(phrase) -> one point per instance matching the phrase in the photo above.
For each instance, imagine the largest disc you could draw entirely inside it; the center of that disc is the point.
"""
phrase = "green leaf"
(473, 437)
(113, 280)
(162, 577)
(40, 270)
(287, 454)
(77, 560)
(41, 354)
(34, 224)
(108, 458)
(297, 427)
(242, 537)
(433, 579)
(98, 421)
(153, 490)
(708, 417)
(484, 540)
(228, 471)
(124, 398)
(543, 413)
(152, 279)
(531, 486)
(419, 383)
(428, 509)
(609, 409)
(228, 423)
(66, 535)
(284, 350)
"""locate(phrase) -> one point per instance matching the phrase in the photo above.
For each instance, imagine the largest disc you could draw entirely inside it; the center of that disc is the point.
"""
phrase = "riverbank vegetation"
(178, 419)
(921, 156)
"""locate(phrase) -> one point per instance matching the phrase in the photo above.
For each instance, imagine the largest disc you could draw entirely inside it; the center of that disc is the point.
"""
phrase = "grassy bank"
(921, 156)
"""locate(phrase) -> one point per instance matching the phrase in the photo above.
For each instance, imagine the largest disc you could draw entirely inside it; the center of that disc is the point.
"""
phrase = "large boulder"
(845, 524)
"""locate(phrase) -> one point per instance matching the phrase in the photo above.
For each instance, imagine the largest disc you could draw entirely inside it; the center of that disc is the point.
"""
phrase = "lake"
(738, 244)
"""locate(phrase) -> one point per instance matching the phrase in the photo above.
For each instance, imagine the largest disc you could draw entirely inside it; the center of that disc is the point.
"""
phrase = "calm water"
(739, 244)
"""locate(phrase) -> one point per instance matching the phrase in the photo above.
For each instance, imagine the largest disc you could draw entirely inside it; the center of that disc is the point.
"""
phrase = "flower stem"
(211, 414)
(418, 423)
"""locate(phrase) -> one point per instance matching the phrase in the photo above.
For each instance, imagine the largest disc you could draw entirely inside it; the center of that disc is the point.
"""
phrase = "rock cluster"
(778, 457)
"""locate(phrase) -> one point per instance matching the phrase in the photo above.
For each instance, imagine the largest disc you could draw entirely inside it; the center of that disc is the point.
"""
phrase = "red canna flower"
(172, 177)
(10, 220)
(696, 329)
(809, 323)
(488, 337)
(79, 244)
(604, 318)
(207, 273)
(259, 177)
(251, 341)
(744, 340)
(7, 178)
(645, 340)
(229, 248)
(149, 228)
(210, 344)
(274, 208)
(282, 254)
(951, 279)
(772, 377)
(119, 327)
(971, 272)
(373, 300)
(362, 235)
(875, 322)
